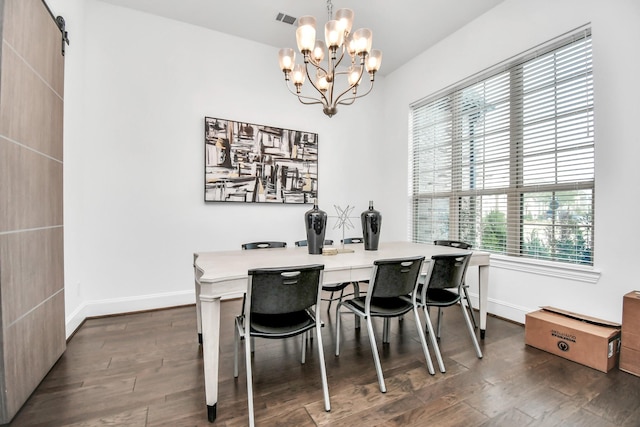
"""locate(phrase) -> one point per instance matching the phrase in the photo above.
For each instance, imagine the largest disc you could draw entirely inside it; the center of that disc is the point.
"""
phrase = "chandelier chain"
(329, 9)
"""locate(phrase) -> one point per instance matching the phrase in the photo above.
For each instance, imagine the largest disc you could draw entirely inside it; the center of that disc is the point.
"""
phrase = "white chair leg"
(338, 318)
(304, 348)
(235, 349)
(356, 293)
(472, 331)
(323, 370)
(439, 321)
(376, 357)
(470, 307)
(247, 352)
(423, 341)
(434, 340)
(330, 301)
(385, 330)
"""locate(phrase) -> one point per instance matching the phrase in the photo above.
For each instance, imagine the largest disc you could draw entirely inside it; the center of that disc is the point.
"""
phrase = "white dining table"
(224, 274)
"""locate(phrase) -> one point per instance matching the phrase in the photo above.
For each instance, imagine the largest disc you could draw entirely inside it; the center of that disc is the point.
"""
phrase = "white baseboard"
(151, 302)
(504, 309)
(125, 305)
(508, 311)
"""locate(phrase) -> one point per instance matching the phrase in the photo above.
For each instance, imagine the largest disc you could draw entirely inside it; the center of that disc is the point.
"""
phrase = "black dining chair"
(392, 293)
(352, 240)
(304, 243)
(267, 244)
(356, 285)
(465, 288)
(443, 288)
(333, 287)
(281, 303)
(264, 245)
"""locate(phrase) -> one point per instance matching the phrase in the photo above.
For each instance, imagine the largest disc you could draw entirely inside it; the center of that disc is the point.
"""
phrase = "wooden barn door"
(32, 334)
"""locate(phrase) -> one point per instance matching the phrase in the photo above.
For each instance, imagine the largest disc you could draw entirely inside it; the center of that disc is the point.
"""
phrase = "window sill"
(579, 273)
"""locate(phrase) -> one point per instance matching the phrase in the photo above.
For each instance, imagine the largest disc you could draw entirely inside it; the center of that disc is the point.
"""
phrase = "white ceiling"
(401, 28)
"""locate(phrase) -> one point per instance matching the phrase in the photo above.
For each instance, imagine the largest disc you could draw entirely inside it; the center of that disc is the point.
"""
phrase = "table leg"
(198, 313)
(210, 315)
(197, 286)
(483, 290)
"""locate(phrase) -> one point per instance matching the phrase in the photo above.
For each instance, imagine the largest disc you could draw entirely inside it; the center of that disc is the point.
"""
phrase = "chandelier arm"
(324, 98)
(300, 97)
(342, 73)
(333, 65)
(349, 101)
(315, 101)
(350, 88)
(337, 100)
(317, 65)
(339, 60)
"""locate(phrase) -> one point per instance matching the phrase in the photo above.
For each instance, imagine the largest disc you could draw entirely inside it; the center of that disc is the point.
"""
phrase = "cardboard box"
(630, 350)
(630, 360)
(583, 339)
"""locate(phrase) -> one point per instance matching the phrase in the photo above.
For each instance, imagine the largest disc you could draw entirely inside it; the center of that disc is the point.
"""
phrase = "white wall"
(138, 87)
(137, 90)
(509, 29)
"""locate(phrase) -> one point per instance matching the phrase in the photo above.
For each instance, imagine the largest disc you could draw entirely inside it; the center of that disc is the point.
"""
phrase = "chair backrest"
(447, 271)
(305, 243)
(284, 290)
(453, 243)
(395, 277)
(264, 245)
(350, 240)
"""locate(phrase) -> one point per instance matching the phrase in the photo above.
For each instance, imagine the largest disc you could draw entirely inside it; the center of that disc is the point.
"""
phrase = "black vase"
(315, 221)
(371, 224)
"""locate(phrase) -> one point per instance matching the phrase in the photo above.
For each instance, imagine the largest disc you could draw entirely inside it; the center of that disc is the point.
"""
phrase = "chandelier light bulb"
(333, 35)
(323, 83)
(287, 59)
(345, 19)
(373, 60)
(354, 76)
(350, 45)
(307, 20)
(298, 75)
(306, 33)
(318, 51)
(362, 39)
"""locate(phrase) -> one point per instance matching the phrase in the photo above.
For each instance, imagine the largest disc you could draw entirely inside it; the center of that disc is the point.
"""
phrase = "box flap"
(582, 317)
(633, 294)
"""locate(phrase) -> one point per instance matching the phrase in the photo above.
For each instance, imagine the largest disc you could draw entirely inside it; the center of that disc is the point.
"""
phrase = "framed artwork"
(249, 163)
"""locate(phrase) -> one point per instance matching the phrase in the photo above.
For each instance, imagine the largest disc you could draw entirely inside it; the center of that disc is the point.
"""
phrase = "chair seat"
(381, 307)
(334, 287)
(442, 297)
(281, 325)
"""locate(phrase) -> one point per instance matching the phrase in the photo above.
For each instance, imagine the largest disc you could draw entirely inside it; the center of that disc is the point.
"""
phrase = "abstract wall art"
(250, 163)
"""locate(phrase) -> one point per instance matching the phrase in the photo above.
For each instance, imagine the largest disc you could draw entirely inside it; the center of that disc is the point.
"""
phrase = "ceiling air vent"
(287, 19)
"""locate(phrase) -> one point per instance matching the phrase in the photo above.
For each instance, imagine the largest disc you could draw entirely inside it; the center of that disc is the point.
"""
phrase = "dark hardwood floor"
(145, 369)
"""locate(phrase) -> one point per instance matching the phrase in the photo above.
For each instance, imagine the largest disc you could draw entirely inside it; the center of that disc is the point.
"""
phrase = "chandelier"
(334, 86)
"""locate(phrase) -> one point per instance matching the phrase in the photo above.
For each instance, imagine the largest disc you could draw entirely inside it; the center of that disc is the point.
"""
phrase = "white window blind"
(506, 161)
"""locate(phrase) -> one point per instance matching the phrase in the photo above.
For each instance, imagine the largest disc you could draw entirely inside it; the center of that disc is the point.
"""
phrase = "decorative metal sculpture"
(343, 220)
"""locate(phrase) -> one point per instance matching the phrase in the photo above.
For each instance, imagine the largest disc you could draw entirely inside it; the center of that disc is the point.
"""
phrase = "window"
(505, 161)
